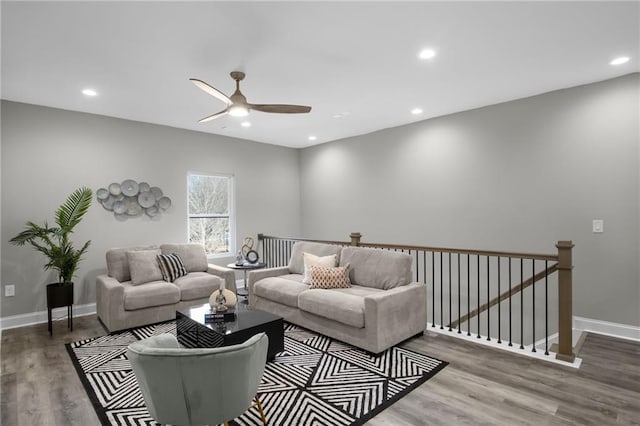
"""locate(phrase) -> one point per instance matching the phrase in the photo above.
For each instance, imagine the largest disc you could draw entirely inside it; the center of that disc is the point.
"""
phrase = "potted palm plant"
(54, 243)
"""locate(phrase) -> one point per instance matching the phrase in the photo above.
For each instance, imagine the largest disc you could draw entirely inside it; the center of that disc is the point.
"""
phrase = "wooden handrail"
(506, 295)
(491, 253)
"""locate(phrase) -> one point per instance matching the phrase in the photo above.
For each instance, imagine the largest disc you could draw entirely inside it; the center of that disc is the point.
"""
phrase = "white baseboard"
(621, 331)
(23, 320)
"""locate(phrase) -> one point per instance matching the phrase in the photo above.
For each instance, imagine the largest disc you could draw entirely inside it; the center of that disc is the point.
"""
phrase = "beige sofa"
(133, 292)
(381, 308)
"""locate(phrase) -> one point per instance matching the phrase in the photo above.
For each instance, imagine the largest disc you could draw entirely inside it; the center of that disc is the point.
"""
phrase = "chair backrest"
(197, 386)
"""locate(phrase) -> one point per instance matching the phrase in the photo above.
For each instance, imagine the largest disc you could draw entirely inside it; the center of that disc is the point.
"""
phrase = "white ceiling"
(358, 59)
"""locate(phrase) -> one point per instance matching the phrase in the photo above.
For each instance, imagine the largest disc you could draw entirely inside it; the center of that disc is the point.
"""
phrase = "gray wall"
(47, 153)
(515, 176)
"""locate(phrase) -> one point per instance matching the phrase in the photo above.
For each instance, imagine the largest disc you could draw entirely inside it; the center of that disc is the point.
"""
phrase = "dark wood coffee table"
(193, 332)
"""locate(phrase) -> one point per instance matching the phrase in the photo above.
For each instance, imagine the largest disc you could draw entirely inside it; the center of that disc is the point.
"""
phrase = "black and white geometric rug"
(315, 381)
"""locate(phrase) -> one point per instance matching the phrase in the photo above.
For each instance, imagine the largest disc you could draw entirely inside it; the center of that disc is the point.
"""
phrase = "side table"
(244, 267)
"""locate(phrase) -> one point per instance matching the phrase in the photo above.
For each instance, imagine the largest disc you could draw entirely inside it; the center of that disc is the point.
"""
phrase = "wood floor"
(39, 385)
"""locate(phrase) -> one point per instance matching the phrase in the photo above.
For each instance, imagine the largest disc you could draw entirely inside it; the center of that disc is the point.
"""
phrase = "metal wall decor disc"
(164, 203)
(146, 199)
(119, 207)
(114, 189)
(108, 203)
(134, 210)
(152, 211)
(144, 186)
(157, 192)
(129, 187)
(102, 193)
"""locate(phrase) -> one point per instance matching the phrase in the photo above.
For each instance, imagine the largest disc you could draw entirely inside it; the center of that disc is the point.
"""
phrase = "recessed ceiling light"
(427, 54)
(416, 111)
(619, 61)
(89, 92)
(312, 138)
(245, 124)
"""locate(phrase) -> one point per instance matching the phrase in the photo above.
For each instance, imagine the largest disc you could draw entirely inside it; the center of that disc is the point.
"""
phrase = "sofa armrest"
(227, 274)
(400, 308)
(257, 275)
(109, 298)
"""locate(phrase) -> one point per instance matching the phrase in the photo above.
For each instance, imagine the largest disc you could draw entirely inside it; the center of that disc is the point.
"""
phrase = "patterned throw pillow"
(313, 260)
(171, 267)
(323, 277)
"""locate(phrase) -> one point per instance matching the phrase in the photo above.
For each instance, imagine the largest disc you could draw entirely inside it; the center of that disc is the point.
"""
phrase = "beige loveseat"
(380, 309)
(133, 292)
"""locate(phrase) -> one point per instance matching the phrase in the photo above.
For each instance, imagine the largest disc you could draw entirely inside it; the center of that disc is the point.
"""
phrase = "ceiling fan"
(237, 105)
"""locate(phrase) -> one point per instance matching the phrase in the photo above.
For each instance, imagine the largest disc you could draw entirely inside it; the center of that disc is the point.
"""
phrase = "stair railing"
(502, 296)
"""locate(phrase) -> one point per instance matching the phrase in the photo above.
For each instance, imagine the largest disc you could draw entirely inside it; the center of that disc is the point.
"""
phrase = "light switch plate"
(9, 290)
(598, 226)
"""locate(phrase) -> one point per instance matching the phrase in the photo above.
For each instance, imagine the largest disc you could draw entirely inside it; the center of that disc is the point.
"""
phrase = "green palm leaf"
(74, 208)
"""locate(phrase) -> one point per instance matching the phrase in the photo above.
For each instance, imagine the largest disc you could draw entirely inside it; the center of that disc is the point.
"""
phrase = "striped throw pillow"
(171, 267)
(324, 277)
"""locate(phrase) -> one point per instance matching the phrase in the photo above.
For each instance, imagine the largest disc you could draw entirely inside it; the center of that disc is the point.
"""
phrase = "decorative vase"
(229, 296)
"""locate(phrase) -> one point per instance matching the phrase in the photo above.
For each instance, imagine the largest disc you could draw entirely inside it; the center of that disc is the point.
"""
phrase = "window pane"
(213, 233)
(208, 195)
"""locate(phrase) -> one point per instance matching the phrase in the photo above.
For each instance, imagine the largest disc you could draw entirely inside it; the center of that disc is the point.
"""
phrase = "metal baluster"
(433, 287)
(449, 291)
(510, 340)
(488, 300)
(521, 303)
(459, 330)
(468, 295)
(478, 292)
(499, 303)
(441, 301)
(533, 313)
(546, 306)
(417, 266)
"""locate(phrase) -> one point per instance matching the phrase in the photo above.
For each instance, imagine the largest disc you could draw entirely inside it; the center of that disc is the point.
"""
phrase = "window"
(210, 212)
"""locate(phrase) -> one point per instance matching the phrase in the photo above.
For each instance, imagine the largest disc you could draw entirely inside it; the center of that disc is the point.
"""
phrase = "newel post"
(565, 301)
(355, 238)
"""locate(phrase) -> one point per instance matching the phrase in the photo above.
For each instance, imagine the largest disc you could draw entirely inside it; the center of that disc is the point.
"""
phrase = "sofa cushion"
(118, 264)
(147, 295)
(143, 266)
(334, 304)
(197, 285)
(193, 255)
(296, 262)
(310, 260)
(281, 290)
(377, 268)
(322, 277)
(171, 266)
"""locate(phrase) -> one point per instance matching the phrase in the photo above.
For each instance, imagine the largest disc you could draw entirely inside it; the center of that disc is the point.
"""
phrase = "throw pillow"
(143, 266)
(313, 260)
(323, 277)
(171, 266)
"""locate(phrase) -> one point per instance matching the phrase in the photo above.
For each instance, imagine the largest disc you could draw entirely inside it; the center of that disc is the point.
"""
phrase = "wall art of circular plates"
(130, 199)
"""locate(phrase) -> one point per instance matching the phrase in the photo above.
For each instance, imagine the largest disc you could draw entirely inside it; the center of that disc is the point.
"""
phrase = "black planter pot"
(58, 296)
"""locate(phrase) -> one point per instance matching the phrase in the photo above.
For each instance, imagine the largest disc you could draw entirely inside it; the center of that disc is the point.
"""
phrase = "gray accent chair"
(198, 386)
(382, 307)
(132, 292)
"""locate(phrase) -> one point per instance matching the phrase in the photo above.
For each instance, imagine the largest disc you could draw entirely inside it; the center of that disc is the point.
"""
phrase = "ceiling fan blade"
(281, 109)
(211, 90)
(214, 116)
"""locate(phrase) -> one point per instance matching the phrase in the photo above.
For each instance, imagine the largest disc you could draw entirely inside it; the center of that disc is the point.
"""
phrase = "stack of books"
(226, 316)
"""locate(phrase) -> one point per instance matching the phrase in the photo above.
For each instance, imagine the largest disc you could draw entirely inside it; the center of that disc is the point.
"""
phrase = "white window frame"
(232, 212)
